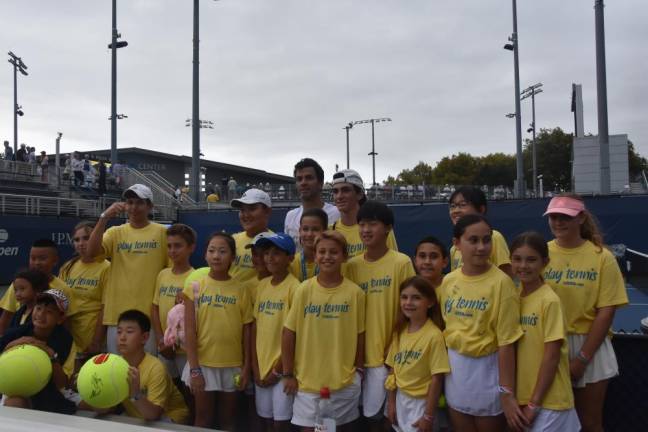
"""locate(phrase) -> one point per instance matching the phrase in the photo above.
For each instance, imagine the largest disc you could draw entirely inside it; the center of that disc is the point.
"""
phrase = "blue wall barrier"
(623, 220)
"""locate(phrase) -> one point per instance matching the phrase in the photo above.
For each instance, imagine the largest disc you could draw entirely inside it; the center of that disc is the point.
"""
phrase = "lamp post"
(195, 183)
(513, 46)
(531, 91)
(601, 98)
(113, 46)
(347, 127)
(18, 66)
(373, 153)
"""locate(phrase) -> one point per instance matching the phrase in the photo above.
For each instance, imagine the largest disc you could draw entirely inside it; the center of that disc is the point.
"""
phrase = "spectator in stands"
(31, 156)
(231, 188)
(77, 169)
(309, 180)
(102, 178)
(8, 151)
(21, 154)
(44, 165)
(177, 193)
(66, 168)
(213, 197)
(86, 169)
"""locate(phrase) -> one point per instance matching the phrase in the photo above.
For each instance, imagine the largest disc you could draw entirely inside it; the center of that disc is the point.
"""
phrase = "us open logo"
(7, 250)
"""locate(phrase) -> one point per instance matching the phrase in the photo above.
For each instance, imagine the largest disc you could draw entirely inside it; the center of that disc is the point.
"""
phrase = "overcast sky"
(281, 78)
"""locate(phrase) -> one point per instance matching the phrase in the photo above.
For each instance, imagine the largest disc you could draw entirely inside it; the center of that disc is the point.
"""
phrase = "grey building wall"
(586, 167)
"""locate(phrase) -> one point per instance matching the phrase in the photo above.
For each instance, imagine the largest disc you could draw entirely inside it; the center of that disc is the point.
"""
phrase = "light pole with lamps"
(373, 153)
(113, 46)
(347, 127)
(531, 91)
(18, 66)
(513, 46)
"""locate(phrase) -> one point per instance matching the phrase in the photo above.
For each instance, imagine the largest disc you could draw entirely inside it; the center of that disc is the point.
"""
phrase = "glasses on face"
(459, 205)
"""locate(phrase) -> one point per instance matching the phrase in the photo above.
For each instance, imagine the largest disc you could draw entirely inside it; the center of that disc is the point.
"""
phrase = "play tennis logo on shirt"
(170, 290)
(216, 300)
(82, 283)
(571, 276)
(407, 356)
(270, 307)
(326, 310)
(137, 247)
(464, 306)
(529, 320)
(376, 286)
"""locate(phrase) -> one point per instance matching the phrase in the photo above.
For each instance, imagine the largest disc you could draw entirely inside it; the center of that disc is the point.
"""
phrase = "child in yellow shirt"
(588, 281)
(181, 243)
(417, 358)
(481, 309)
(430, 258)
(323, 339)
(379, 271)
(313, 222)
(27, 284)
(274, 298)
(543, 383)
(472, 200)
(217, 333)
(86, 277)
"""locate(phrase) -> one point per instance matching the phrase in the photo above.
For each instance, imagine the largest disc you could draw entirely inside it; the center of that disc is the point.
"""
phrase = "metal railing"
(166, 185)
(19, 170)
(165, 203)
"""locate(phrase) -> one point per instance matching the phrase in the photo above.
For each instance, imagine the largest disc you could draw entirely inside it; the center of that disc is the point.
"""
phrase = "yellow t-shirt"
(380, 280)
(585, 279)
(542, 321)
(137, 256)
(327, 322)
(224, 307)
(88, 282)
(302, 269)
(251, 286)
(499, 253)
(272, 306)
(415, 357)
(242, 268)
(167, 287)
(158, 388)
(354, 242)
(480, 312)
(10, 304)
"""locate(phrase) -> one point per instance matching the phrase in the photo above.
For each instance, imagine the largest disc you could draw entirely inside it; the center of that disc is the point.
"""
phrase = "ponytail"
(65, 268)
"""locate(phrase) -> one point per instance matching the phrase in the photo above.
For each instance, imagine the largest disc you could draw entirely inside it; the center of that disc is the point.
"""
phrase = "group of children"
(389, 337)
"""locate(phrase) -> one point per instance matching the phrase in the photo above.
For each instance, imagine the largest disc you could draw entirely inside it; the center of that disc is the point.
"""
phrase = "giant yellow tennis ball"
(103, 380)
(24, 371)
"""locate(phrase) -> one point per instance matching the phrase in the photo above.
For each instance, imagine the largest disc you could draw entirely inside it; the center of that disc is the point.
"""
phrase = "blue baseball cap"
(281, 240)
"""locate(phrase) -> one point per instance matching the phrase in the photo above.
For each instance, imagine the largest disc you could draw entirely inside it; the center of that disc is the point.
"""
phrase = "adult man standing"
(309, 179)
(8, 151)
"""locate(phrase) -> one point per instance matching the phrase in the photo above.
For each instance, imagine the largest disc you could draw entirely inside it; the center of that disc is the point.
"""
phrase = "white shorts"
(174, 366)
(603, 364)
(273, 403)
(373, 391)
(216, 379)
(345, 405)
(556, 421)
(472, 386)
(409, 410)
(111, 342)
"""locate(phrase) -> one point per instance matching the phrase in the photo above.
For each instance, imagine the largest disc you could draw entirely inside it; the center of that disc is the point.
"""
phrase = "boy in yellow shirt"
(274, 297)
(137, 251)
(379, 272)
(254, 208)
(152, 394)
(349, 196)
(181, 242)
(312, 223)
(43, 256)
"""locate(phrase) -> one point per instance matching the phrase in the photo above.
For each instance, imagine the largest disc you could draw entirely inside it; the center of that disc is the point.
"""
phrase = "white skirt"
(603, 364)
(216, 379)
(556, 421)
(472, 386)
(409, 410)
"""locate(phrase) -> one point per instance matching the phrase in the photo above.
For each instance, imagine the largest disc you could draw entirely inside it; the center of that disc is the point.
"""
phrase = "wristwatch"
(102, 215)
(137, 396)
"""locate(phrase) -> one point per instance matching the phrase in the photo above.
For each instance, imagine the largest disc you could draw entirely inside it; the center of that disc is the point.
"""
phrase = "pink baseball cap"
(565, 205)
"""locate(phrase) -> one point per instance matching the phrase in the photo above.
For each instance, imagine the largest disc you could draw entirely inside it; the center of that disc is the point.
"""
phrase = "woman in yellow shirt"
(322, 343)
(543, 384)
(472, 200)
(481, 309)
(86, 277)
(418, 359)
(586, 277)
(217, 336)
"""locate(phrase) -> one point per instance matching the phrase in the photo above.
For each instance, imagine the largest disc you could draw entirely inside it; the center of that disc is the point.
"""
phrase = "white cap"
(252, 196)
(141, 191)
(349, 176)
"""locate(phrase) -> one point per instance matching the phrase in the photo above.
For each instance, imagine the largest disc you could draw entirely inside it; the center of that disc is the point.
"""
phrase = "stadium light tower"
(373, 153)
(513, 46)
(18, 66)
(113, 46)
(530, 92)
(347, 127)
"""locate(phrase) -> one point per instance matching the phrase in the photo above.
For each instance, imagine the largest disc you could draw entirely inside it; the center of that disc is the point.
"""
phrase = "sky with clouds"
(281, 78)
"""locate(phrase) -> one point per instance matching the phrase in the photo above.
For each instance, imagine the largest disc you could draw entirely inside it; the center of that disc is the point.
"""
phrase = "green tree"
(637, 163)
(420, 174)
(459, 169)
(496, 169)
(553, 159)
